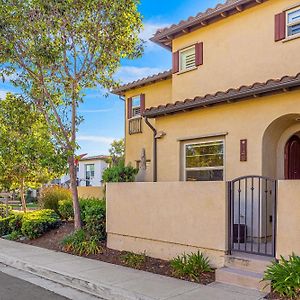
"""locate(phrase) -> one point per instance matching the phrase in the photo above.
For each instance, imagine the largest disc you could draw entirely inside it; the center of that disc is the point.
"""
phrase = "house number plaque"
(243, 150)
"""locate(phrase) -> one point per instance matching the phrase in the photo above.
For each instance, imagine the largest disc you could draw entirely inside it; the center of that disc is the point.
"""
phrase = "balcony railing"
(135, 126)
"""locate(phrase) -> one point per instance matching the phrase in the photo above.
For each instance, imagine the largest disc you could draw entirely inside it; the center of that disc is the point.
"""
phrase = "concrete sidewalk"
(109, 281)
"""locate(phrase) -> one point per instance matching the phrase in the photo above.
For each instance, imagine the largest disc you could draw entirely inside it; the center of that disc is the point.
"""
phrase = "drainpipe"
(154, 149)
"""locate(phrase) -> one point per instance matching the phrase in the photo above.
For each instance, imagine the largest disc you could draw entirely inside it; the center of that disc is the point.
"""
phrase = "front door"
(292, 158)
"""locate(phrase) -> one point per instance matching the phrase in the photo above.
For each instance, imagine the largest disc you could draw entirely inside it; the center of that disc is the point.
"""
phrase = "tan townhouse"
(221, 133)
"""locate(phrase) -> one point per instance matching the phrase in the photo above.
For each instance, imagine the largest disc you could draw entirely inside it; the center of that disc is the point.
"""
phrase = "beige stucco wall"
(167, 219)
(248, 119)
(155, 94)
(239, 50)
(288, 218)
(90, 192)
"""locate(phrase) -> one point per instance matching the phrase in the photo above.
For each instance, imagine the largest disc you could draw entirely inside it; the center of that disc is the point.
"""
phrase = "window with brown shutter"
(129, 108)
(136, 107)
(142, 103)
(280, 26)
(188, 58)
(199, 54)
(176, 62)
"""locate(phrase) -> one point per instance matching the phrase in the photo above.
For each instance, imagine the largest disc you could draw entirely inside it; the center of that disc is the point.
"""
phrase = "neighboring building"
(227, 114)
(89, 171)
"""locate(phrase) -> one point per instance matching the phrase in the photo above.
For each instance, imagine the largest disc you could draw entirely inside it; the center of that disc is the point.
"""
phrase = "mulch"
(275, 296)
(51, 240)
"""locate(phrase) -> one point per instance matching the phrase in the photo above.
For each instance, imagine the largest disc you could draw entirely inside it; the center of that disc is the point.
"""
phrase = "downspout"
(154, 149)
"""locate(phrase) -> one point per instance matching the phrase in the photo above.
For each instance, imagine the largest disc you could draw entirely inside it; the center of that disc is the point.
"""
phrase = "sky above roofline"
(104, 116)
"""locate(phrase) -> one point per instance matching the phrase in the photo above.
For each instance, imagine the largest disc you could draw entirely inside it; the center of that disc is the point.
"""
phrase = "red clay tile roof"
(255, 90)
(164, 36)
(141, 82)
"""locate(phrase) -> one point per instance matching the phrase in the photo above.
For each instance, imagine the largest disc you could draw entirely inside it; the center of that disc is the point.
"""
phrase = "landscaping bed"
(275, 296)
(52, 240)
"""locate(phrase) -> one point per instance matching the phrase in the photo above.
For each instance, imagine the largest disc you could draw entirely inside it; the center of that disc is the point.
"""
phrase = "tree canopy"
(29, 156)
(117, 151)
(58, 48)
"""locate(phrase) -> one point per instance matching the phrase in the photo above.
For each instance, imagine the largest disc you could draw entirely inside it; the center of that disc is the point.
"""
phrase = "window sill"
(291, 38)
(187, 70)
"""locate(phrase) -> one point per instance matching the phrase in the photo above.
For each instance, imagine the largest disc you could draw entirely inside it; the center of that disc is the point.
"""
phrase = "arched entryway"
(281, 148)
(292, 158)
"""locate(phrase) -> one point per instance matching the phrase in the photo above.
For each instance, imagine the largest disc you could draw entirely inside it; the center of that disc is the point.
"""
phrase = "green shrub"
(92, 212)
(13, 236)
(134, 260)
(5, 211)
(94, 219)
(50, 196)
(80, 243)
(191, 265)
(119, 173)
(285, 276)
(65, 209)
(36, 223)
(15, 223)
(4, 225)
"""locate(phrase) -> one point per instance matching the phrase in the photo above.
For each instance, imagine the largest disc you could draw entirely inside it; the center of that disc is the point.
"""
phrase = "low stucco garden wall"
(90, 192)
(169, 218)
(288, 218)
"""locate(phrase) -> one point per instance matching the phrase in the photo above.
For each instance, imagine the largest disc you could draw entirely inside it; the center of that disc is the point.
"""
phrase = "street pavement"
(105, 280)
(12, 288)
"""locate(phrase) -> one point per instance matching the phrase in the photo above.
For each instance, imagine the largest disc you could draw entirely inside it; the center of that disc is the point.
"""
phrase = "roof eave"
(226, 98)
(143, 82)
(202, 21)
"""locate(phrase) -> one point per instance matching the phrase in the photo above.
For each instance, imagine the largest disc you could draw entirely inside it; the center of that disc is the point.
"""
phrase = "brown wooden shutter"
(142, 103)
(199, 54)
(280, 26)
(176, 62)
(129, 108)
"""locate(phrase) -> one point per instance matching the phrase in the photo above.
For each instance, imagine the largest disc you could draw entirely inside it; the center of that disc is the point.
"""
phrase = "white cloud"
(128, 73)
(148, 32)
(93, 110)
(95, 138)
(3, 94)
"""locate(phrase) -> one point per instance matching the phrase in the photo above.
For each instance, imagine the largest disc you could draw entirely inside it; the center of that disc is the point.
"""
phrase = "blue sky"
(104, 116)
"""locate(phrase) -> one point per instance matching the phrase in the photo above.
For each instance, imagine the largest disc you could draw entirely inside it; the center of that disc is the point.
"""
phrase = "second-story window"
(135, 109)
(293, 21)
(136, 106)
(187, 58)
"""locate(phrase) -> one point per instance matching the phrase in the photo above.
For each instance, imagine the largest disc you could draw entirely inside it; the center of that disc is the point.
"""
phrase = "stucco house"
(221, 132)
(89, 171)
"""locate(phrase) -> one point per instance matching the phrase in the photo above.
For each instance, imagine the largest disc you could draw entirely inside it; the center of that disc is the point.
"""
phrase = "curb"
(98, 289)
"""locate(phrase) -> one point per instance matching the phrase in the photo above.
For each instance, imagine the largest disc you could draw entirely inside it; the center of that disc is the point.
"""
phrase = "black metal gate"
(252, 215)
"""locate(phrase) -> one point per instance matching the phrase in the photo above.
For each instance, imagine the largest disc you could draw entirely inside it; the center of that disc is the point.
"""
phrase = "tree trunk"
(73, 181)
(22, 194)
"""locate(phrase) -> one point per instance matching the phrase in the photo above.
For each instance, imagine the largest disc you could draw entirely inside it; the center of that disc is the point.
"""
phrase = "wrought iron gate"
(252, 215)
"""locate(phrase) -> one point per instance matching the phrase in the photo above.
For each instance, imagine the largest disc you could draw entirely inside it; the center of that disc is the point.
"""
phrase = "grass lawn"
(29, 205)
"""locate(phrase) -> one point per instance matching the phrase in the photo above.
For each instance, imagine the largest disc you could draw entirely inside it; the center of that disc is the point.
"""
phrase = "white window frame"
(85, 174)
(133, 108)
(288, 24)
(204, 168)
(181, 69)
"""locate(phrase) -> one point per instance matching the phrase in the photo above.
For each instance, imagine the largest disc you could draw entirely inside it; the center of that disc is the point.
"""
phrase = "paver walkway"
(111, 281)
